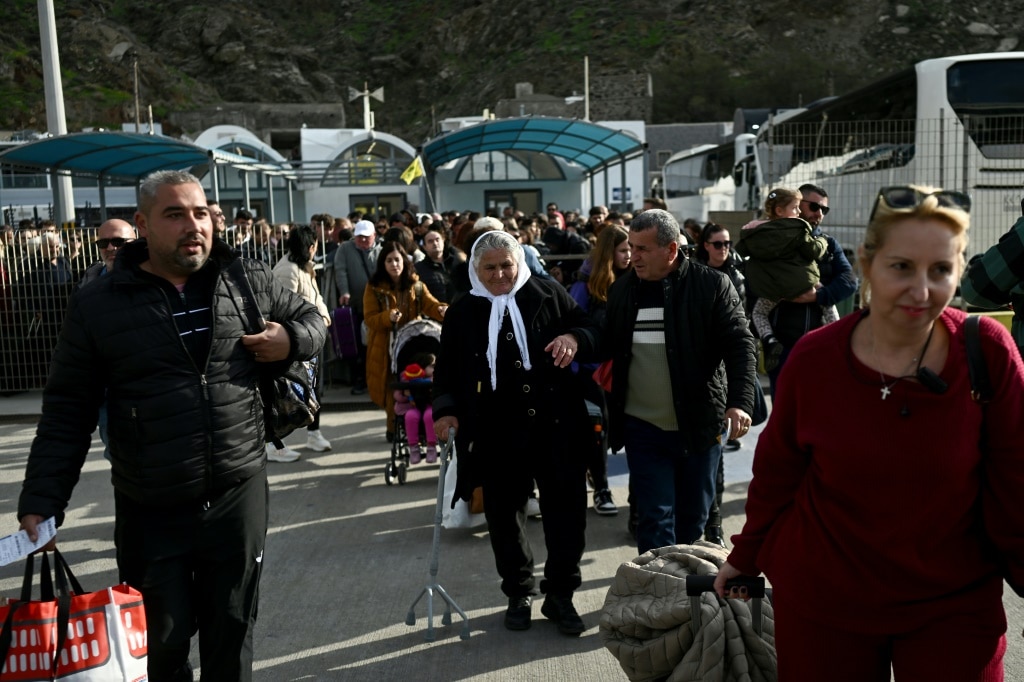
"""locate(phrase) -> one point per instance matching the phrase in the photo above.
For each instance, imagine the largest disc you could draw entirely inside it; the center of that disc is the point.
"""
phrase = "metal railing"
(34, 295)
(980, 155)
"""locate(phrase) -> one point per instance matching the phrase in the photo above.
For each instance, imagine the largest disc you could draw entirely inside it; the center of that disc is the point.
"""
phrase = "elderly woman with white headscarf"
(503, 382)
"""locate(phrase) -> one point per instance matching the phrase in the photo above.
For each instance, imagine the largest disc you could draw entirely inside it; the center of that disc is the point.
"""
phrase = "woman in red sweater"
(886, 531)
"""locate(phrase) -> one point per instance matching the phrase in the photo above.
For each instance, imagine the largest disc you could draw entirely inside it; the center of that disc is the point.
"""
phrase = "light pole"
(56, 124)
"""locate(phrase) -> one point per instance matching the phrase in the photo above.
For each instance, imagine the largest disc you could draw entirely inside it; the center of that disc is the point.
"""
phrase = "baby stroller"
(419, 336)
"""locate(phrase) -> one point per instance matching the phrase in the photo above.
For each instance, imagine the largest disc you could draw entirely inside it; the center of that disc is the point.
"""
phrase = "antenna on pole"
(135, 76)
(586, 88)
(377, 94)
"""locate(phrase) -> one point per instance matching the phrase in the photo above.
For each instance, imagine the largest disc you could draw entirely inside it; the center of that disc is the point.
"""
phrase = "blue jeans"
(773, 376)
(102, 422)
(673, 491)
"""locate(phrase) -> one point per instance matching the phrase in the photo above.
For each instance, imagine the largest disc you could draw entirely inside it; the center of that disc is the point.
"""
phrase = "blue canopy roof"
(591, 146)
(119, 154)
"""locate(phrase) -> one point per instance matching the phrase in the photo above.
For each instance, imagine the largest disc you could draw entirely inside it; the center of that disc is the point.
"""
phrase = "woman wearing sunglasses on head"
(887, 526)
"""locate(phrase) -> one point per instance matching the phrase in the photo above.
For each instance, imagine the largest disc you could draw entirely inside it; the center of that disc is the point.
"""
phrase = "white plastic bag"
(459, 517)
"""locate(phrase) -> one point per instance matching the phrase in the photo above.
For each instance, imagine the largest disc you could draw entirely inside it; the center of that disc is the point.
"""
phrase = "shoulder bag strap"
(981, 385)
(364, 259)
(250, 309)
(61, 566)
(63, 598)
(382, 298)
(384, 302)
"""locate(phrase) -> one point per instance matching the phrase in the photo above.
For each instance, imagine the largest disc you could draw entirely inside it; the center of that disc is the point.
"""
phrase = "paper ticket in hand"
(14, 547)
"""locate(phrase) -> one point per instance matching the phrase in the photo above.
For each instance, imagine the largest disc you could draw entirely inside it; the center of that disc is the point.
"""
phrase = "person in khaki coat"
(394, 296)
(296, 273)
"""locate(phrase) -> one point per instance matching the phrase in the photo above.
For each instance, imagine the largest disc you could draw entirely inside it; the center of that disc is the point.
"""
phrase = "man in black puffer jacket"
(163, 339)
(675, 331)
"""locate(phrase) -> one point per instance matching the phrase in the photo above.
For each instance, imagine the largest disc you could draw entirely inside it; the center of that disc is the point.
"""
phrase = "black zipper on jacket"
(204, 390)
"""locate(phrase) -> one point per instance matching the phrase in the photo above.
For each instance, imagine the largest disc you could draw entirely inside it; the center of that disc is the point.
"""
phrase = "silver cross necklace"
(886, 389)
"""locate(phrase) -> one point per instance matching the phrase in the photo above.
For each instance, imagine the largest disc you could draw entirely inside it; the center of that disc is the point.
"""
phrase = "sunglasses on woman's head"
(908, 198)
(720, 244)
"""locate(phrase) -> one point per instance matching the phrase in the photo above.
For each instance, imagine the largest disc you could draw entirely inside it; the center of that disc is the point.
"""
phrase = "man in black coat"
(566, 243)
(185, 424)
(436, 269)
(670, 328)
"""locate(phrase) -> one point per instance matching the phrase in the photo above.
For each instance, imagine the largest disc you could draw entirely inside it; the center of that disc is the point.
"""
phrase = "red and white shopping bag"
(100, 636)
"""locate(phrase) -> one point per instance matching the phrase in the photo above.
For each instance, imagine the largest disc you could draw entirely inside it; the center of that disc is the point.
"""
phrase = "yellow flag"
(414, 171)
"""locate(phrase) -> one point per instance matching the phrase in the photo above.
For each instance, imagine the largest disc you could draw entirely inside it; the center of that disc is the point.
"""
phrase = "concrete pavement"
(346, 556)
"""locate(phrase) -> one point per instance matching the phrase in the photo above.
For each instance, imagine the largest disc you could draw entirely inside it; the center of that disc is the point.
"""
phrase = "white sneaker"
(285, 454)
(316, 442)
(532, 507)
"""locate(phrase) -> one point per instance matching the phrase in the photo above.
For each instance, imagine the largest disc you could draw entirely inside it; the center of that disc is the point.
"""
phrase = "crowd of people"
(660, 327)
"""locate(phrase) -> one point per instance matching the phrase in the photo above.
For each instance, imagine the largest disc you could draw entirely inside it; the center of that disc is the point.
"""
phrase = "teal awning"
(122, 155)
(592, 146)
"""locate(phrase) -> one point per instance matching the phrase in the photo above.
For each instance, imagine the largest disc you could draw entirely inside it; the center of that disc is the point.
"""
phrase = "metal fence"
(34, 295)
(980, 155)
(34, 291)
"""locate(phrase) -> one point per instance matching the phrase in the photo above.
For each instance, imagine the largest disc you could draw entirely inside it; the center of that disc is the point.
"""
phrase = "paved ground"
(347, 555)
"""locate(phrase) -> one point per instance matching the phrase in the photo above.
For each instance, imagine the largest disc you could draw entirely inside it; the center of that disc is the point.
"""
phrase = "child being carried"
(782, 254)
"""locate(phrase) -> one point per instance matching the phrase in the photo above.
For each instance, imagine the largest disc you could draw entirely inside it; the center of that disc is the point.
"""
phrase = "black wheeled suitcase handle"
(697, 585)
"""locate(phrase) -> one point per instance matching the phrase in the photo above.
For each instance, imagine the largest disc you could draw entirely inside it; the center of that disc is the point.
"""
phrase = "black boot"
(559, 609)
(634, 520)
(518, 615)
(713, 534)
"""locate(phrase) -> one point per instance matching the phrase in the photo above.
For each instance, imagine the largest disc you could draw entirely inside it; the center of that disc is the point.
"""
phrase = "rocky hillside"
(442, 58)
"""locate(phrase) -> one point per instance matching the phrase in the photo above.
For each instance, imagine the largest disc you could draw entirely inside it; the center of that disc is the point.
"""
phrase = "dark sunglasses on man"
(815, 206)
(903, 198)
(720, 244)
(116, 242)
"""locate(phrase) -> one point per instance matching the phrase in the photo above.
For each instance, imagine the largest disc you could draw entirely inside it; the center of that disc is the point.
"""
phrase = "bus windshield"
(988, 98)
(986, 86)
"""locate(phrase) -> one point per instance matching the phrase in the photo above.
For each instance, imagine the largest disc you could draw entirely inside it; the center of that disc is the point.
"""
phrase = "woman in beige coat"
(296, 273)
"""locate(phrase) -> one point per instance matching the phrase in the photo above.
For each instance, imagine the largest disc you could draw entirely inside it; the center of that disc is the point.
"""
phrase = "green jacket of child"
(781, 257)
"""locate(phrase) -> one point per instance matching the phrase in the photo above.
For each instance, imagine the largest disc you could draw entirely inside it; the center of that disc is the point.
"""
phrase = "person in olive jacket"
(164, 340)
(503, 381)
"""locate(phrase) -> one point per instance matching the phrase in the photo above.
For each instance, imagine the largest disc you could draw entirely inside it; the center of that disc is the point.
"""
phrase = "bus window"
(987, 97)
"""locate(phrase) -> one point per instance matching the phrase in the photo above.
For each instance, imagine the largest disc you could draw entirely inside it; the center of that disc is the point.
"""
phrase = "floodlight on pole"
(377, 94)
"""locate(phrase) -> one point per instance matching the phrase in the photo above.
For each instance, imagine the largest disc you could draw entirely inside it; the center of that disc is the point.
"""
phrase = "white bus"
(953, 122)
(710, 178)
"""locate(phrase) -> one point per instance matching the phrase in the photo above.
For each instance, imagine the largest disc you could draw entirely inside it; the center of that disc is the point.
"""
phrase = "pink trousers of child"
(412, 426)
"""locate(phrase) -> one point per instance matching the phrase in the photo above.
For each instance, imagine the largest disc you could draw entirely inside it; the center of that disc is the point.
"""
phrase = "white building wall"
(605, 187)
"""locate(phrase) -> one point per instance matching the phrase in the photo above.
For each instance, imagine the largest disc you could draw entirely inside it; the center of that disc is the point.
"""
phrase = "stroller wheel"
(401, 473)
(391, 474)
